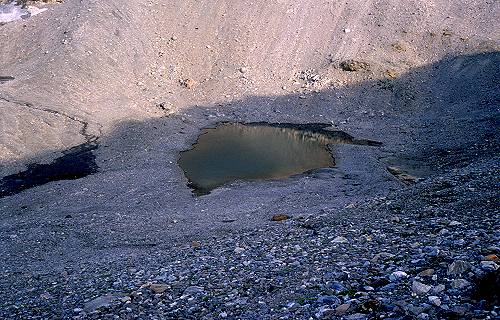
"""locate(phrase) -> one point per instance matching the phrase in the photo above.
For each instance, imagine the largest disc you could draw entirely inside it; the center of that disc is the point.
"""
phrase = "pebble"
(489, 265)
(340, 240)
(426, 273)
(420, 288)
(328, 300)
(353, 65)
(239, 250)
(325, 313)
(280, 217)
(439, 288)
(435, 300)
(100, 302)
(356, 316)
(196, 245)
(459, 283)
(193, 290)
(491, 257)
(189, 83)
(158, 287)
(458, 267)
(342, 309)
(286, 271)
(398, 275)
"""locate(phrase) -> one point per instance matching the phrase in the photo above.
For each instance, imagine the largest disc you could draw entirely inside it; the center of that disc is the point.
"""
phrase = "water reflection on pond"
(235, 151)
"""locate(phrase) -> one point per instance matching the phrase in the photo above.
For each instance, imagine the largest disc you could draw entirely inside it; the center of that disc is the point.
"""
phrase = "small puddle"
(76, 163)
(256, 151)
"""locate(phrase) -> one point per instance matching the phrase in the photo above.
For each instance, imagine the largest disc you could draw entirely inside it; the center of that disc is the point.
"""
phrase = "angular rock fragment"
(353, 65)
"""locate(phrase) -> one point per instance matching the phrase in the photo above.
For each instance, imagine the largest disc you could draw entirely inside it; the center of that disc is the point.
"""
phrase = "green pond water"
(256, 151)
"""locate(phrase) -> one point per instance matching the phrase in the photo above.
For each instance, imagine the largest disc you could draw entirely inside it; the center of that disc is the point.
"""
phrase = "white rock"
(397, 275)
(239, 249)
(340, 240)
(489, 265)
(420, 288)
(34, 10)
(435, 300)
(438, 288)
(12, 12)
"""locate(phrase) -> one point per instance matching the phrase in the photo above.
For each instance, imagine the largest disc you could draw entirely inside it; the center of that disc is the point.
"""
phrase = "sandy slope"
(103, 63)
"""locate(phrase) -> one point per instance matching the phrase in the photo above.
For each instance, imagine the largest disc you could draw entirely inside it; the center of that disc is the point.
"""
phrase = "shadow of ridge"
(76, 162)
(428, 102)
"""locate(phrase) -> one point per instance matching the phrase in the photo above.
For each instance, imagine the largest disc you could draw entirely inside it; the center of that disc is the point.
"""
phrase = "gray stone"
(193, 290)
(415, 310)
(342, 309)
(420, 288)
(458, 267)
(489, 265)
(159, 287)
(435, 300)
(398, 275)
(100, 302)
(356, 316)
(439, 288)
(325, 313)
(426, 273)
(459, 283)
(382, 256)
(340, 240)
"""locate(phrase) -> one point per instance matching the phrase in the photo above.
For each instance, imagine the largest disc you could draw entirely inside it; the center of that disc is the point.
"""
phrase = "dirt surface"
(142, 78)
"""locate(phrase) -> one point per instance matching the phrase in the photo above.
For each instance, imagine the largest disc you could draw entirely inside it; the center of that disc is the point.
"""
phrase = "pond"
(257, 151)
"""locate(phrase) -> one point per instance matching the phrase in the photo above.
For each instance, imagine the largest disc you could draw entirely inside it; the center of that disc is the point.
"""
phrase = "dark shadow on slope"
(76, 163)
(436, 115)
(486, 289)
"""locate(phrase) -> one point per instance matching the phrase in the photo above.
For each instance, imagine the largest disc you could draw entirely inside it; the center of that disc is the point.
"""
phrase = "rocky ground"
(404, 230)
(427, 252)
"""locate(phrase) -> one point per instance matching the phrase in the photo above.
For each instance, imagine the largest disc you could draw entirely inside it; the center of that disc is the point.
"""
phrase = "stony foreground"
(427, 252)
